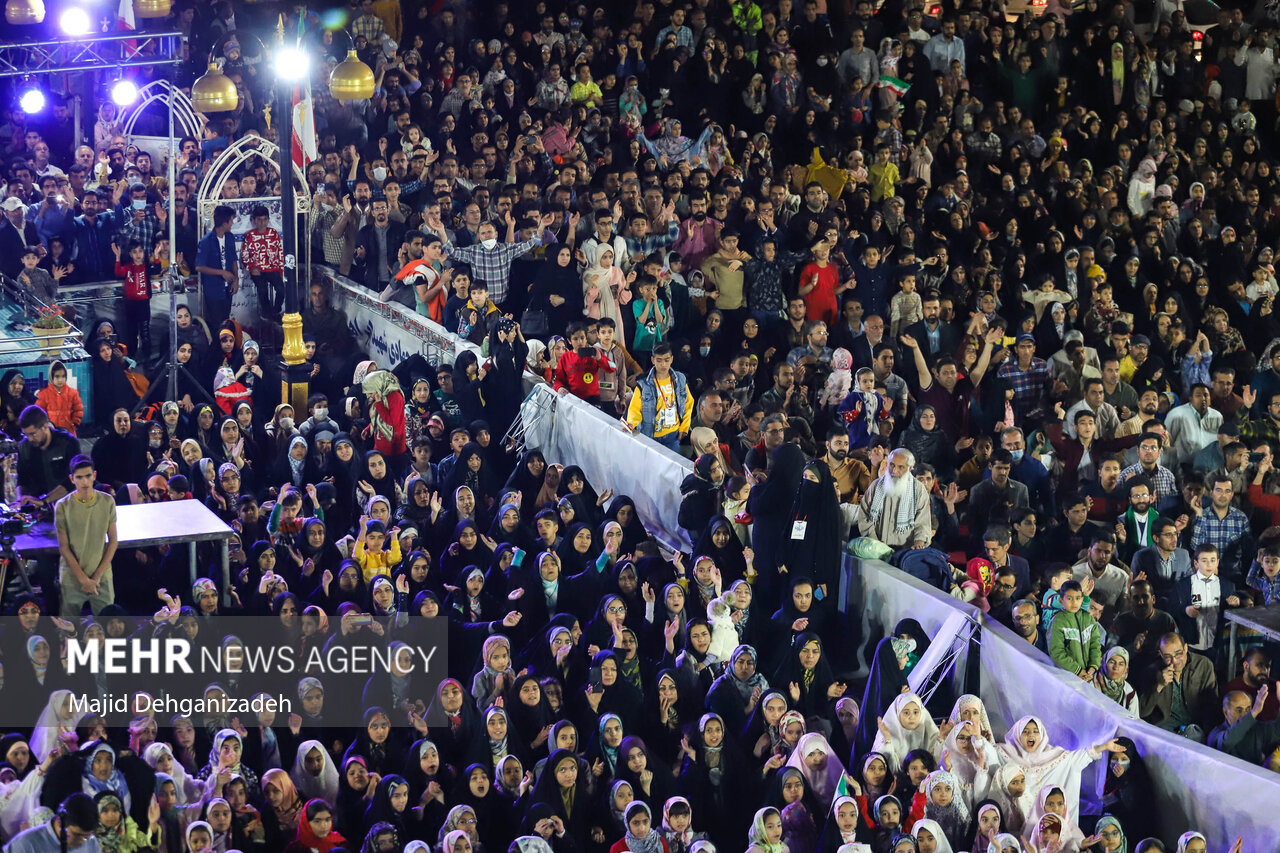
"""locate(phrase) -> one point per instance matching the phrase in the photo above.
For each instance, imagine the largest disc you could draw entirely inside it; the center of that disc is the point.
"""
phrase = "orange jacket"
(64, 408)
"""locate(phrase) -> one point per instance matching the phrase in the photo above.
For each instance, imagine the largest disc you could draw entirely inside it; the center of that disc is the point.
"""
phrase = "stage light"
(74, 22)
(124, 93)
(32, 101)
(292, 64)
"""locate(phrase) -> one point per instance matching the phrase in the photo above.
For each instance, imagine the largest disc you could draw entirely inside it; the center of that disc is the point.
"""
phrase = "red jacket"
(391, 411)
(64, 408)
(581, 376)
(263, 251)
(137, 283)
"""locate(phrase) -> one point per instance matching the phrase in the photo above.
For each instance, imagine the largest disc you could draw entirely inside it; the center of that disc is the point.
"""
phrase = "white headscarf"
(51, 725)
(985, 721)
(185, 788)
(324, 786)
(902, 740)
(1043, 755)
(822, 782)
(944, 846)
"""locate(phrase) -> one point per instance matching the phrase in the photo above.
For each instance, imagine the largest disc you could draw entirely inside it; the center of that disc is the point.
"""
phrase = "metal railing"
(53, 342)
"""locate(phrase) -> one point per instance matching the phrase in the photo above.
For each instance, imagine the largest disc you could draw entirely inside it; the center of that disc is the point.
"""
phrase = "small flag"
(842, 787)
(305, 149)
(893, 84)
(124, 16)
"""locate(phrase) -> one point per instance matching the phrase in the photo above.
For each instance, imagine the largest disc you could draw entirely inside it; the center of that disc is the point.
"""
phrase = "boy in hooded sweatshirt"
(1075, 637)
(60, 401)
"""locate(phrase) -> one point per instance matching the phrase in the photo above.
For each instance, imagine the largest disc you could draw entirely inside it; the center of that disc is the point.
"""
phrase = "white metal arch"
(229, 161)
(184, 115)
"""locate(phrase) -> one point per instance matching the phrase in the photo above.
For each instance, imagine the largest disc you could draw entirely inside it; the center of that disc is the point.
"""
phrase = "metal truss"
(96, 53)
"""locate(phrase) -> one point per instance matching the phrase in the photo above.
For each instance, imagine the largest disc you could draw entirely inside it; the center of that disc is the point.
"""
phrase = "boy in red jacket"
(137, 300)
(578, 371)
(262, 254)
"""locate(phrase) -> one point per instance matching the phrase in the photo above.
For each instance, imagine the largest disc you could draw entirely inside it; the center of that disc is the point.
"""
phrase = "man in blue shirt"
(219, 271)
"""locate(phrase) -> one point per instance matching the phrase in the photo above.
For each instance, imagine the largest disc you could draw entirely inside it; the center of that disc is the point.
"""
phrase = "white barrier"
(1195, 787)
(390, 332)
(568, 431)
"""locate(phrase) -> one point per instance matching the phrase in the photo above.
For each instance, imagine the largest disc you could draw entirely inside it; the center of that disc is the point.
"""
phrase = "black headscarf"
(884, 684)
(633, 532)
(818, 506)
(524, 480)
(555, 280)
(730, 557)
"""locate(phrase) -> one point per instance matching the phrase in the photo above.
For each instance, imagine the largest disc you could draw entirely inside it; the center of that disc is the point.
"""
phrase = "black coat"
(369, 242)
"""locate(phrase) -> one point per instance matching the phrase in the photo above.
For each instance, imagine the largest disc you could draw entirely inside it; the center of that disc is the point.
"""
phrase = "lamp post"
(350, 80)
(291, 67)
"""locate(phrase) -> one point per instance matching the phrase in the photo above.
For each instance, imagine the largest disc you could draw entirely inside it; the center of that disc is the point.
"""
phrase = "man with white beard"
(895, 510)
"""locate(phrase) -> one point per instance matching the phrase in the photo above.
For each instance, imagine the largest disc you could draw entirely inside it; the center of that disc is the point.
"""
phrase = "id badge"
(798, 528)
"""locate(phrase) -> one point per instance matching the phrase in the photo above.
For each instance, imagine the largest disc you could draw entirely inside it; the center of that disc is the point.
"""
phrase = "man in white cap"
(16, 234)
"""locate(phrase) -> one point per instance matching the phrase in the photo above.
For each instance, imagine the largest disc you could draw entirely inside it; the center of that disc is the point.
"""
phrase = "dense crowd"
(986, 295)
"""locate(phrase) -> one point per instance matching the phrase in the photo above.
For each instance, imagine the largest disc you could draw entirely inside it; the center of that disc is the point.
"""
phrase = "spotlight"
(124, 93)
(292, 64)
(74, 22)
(32, 101)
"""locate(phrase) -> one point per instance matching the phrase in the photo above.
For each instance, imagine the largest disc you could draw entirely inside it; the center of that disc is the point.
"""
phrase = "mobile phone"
(595, 677)
(586, 352)
(362, 619)
(1256, 457)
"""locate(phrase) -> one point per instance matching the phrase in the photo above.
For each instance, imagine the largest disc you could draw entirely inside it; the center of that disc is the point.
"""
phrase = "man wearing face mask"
(138, 220)
(491, 261)
(379, 248)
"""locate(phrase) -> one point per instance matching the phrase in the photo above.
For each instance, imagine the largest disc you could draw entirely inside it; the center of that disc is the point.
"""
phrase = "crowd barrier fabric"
(1195, 787)
(569, 431)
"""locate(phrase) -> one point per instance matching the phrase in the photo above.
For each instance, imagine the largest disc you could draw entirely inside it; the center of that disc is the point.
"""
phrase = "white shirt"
(1206, 593)
(1190, 432)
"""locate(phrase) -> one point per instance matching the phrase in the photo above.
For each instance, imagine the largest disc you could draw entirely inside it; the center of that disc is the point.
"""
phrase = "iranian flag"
(124, 16)
(305, 148)
(893, 84)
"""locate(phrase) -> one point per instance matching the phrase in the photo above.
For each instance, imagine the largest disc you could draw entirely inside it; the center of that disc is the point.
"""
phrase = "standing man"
(1193, 426)
(491, 261)
(662, 405)
(86, 525)
(218, 268)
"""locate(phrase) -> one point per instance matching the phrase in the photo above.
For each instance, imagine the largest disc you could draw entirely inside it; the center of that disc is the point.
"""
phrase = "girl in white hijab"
(160, 756)
(1053, 800)
(1006, 784)
(966, 754)
(821, 768)
(310, 780)
(939, 838)
(1026, 744)
(57, 719)
(904, 727)
(970, 707)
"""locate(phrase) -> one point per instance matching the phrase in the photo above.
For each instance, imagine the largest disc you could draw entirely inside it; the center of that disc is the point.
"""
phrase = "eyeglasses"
(617, 609)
